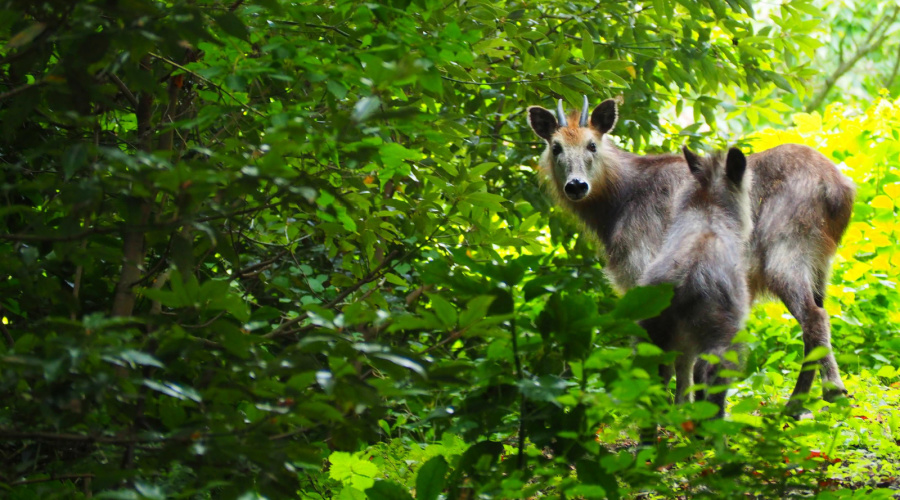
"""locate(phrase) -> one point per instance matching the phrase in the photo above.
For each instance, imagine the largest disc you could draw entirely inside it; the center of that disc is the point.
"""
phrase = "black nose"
(576, 189)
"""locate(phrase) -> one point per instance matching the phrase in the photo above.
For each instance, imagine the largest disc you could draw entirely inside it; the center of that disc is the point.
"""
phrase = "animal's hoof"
(803, 414)
(833, 393)
(795, 409)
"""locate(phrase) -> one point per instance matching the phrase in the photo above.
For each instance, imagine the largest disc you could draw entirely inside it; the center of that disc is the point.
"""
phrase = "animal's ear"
(693, 162)
(604, 116)
(542, 122)
(735, 165)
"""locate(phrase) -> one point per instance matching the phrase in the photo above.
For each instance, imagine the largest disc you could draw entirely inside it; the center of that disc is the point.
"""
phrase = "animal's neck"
(631, 211)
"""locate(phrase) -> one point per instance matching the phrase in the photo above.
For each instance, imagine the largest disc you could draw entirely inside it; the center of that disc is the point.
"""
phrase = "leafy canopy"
(266, 247)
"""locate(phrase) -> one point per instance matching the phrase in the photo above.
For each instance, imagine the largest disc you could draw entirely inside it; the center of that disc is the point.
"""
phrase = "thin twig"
(207, 81)
(8, 435)
(383, 267)
(108, 230)
(124, 89)
(889, 81)
(156, 306)
(372, 276)
(324, 26)
(284, 435)
(10, 341)
(237, 212)
(61, 477)
(259, 266)
(149, 275)
(452, 337)
(873, 40)
(513, 82)
(64, 237)
(520, 376)
(18, 90)
(205, 324)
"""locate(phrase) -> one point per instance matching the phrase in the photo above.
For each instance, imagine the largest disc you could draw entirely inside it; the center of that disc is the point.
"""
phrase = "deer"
(703, 257)
(800, 207)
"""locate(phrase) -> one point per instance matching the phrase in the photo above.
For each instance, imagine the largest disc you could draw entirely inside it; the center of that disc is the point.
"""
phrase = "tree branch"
(8, 435)
(124, 89)
(889, 81)
(60, 477)
(18, 90)
(372, 276)
(208, 82)
(872, 41)
(62, 437)
(165, 226)
(259, 266)
(10, 341)
(513, 82)
(376, 273)
(133, 239)
(61, 237)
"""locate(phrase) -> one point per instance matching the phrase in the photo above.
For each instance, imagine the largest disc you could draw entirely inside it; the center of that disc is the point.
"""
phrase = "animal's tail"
(839, 197)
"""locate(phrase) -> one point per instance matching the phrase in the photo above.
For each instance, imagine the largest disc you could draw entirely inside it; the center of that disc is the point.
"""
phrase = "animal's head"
(721, 182)
(577, 154)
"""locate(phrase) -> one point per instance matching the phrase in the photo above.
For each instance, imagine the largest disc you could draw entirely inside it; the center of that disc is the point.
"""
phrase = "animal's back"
(801, 206)
(798, 198)
(705, 263)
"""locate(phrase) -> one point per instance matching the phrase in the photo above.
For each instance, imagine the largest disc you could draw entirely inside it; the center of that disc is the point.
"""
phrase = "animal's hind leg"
(684, 376)
(797, 290)
(659, 331)
(665, 375)
(714, 378)
(832, 386)
(701, 376)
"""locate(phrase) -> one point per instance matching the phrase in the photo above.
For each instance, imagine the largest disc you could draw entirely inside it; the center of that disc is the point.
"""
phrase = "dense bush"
(299, 248)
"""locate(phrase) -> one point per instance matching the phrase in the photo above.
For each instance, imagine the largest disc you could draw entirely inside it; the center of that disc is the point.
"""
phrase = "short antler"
(561, 115)
(584, 114)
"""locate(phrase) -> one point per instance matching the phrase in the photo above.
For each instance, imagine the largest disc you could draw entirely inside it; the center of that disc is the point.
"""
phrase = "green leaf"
(445, 311)
(140, 358)
(25, 36)
(430, 479)
(336, 88)
(403, 362)
(350, 493)
(174, 390)
(587, 46)
(74, 158)
(546, 388)
(365, 107)
(351, 470)
(644, 302)
(587, 491)
(816, 354)
(232, 24)
(165, 297)
(476, 310)
(388, 490)
(487, 200)
(503, 302)
(590, 472)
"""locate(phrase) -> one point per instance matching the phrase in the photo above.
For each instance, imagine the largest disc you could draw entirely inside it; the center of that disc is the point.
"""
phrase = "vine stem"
(520, 375)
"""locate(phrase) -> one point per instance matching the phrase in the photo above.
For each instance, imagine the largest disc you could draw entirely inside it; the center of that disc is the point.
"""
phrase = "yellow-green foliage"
(863, 297)
(863, 300)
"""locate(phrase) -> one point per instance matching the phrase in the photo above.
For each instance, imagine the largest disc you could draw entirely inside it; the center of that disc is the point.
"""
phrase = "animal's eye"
(557, 149)
(592, 147)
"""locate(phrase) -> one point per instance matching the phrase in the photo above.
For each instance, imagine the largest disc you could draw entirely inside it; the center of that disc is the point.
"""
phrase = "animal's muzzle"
(576, 189)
